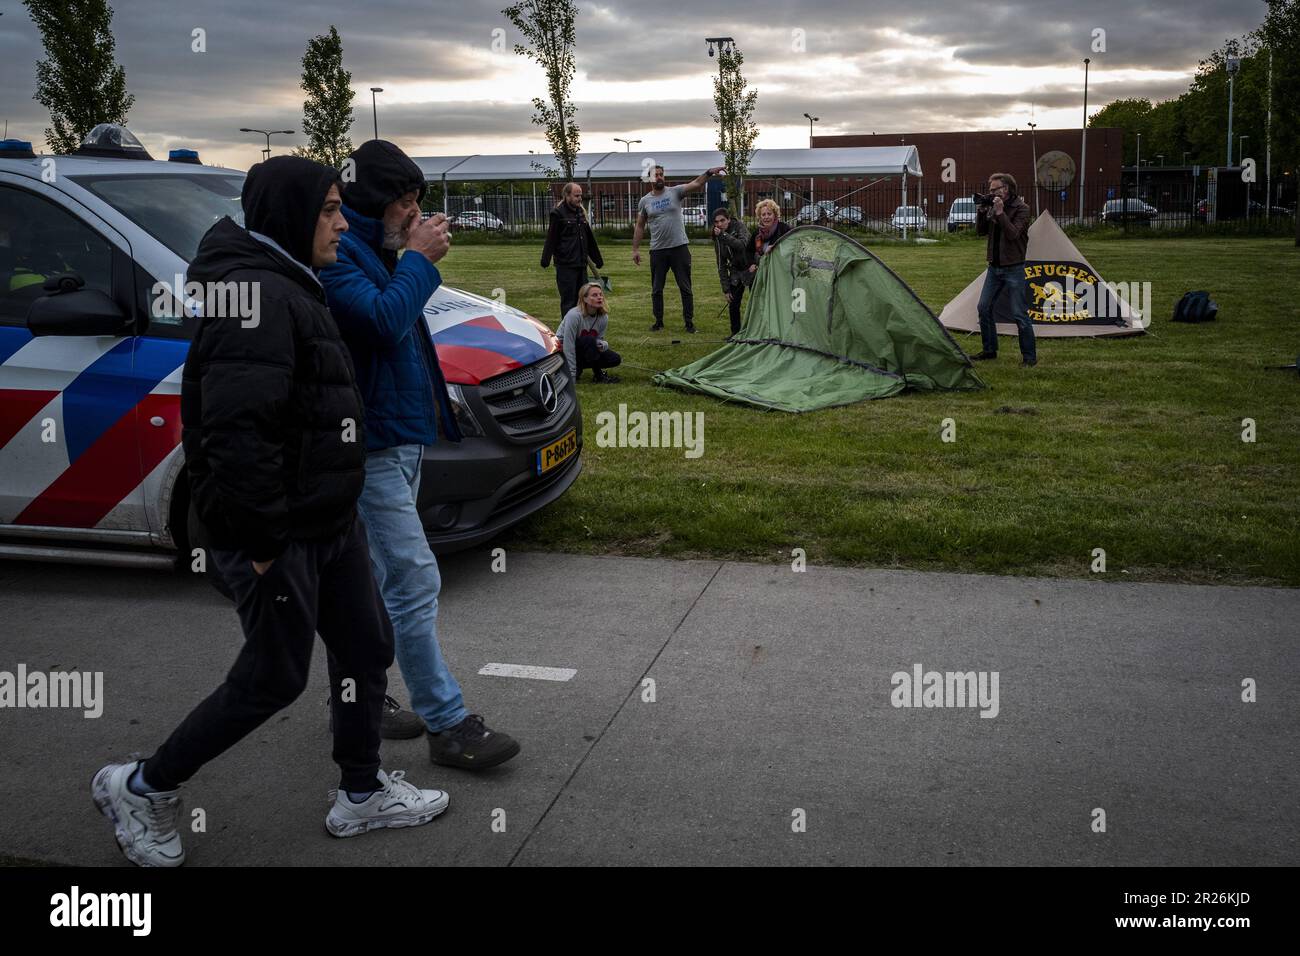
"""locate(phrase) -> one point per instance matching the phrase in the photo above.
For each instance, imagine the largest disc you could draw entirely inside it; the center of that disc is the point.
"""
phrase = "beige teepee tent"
(1065, 294)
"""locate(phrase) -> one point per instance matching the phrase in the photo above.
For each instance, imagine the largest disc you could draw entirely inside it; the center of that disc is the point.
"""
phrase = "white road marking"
(529, 671)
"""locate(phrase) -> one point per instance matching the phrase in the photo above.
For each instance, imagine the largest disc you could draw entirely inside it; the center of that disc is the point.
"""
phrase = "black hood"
(383, 173)
(282, 199)
(227, 247)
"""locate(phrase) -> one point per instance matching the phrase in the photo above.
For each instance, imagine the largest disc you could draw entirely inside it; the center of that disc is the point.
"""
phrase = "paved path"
(772, 694)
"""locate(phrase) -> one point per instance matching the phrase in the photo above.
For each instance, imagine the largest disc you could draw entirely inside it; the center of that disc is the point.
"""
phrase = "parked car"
(909, 217)
(476, 220)
(815, 212)
(93, 336)
(849, 216)
(961, 214)
(1132, 210)
(695, 215)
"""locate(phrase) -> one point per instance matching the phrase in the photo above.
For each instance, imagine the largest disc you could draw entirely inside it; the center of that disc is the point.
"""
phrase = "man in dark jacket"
(1006, 223)
(570, 241)
(731, 248)
(272, 432)
(378, 299)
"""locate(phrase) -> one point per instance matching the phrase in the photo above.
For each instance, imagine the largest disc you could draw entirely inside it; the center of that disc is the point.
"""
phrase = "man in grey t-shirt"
(662, 209)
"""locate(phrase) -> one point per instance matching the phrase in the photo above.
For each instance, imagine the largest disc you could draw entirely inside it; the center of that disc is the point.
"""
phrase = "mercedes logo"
(546, 392)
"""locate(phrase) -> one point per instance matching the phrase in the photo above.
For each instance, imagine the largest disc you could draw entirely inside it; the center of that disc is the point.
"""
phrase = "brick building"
(976, 154)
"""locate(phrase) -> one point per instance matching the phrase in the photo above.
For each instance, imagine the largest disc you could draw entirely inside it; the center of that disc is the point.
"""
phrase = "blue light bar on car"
(183, 156)
(16, 149)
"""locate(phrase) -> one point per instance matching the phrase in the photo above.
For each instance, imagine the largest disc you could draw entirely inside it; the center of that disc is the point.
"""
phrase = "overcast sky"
(643, 68)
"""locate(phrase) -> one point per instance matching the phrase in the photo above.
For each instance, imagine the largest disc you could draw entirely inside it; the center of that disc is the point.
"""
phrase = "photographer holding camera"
(1004, 217)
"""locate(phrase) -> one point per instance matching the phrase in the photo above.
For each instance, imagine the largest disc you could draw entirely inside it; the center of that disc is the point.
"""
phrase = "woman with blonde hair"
(770, 229)
(582, 336)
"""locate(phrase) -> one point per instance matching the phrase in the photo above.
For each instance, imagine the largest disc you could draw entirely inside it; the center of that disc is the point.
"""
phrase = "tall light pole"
(1138, 183)
(374, 108)
(811, 119)
(1232, 66)
(628, 143)
(1033, 144)
(1083, 151)
(268, 133)
(1185, 152)
(725, 45)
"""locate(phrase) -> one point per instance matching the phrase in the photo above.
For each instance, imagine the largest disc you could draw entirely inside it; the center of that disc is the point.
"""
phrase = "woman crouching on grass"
(582, 336)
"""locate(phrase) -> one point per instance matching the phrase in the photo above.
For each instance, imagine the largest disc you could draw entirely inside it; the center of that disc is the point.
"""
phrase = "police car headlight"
(469, 426)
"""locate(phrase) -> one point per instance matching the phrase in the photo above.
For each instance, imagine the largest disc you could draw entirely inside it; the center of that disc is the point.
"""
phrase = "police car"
(94, 327)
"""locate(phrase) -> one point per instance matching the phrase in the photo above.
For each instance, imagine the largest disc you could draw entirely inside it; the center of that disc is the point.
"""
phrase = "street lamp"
(1185, 152)
(1161, 157)
(1138, 183)
(1033, 144)
(811, 120)
(374, 109)
(1232, 65)
(628, 143)
(1083, 151)
(725, 45)
(268, 133)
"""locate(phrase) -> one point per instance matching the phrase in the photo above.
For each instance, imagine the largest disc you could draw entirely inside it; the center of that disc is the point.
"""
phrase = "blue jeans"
(1011, 278)
(407, 574)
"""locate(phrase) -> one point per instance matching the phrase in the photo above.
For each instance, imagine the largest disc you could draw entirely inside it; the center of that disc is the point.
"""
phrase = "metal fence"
(1154, 203)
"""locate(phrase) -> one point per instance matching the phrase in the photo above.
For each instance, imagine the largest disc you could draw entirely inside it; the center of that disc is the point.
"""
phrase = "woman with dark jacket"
(570, 241)
(731, 248)
(770, 229)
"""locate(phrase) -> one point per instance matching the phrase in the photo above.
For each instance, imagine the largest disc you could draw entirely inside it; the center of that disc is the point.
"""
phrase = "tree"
(1280, 34)
(548, 26)
(79, 82)
(1133, 116)
(327, 111)
(735, 118)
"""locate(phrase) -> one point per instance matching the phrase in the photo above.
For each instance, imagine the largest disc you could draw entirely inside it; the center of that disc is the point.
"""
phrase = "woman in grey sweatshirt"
(582, 336)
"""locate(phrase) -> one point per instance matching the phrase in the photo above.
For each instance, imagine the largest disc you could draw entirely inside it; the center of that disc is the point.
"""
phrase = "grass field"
(1131, 445)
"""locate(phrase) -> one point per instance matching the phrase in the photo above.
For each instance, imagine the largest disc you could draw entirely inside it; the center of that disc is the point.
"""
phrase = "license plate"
(557, 452)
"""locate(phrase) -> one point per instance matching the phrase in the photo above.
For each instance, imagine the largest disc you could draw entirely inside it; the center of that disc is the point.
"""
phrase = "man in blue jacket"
(378, 301)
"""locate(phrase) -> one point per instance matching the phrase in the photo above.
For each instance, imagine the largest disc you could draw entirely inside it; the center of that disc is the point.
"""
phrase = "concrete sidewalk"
(772, 705)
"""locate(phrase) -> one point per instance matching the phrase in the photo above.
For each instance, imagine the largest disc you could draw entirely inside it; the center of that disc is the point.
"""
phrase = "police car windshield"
(175, 209)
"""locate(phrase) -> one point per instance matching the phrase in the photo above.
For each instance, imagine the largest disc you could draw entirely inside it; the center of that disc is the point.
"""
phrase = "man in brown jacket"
(1006, 223)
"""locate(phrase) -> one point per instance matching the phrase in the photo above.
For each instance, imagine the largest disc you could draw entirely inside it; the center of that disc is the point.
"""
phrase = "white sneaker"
(145, 827)
(398, 804)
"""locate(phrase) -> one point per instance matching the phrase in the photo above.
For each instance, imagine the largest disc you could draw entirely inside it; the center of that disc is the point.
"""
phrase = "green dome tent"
(827, 324)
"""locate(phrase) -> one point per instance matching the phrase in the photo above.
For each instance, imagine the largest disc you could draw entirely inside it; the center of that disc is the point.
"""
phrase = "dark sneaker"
(397, 724)
(657, 327)
(603, 377)
(983, 356)
(690, 328)
(471, 746)
(1028, 363)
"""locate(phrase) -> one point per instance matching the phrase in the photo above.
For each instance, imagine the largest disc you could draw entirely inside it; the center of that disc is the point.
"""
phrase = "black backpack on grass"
(1196, 307)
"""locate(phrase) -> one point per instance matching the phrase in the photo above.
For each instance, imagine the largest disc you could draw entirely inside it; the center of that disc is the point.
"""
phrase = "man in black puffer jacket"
(271, 426)
(570, 241)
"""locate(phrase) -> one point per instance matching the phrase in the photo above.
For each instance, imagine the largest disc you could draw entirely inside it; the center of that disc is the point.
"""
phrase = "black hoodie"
(271, 418)
(383, 173)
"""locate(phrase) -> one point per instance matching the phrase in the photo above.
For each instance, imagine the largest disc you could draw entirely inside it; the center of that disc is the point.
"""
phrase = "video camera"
(981, 200)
